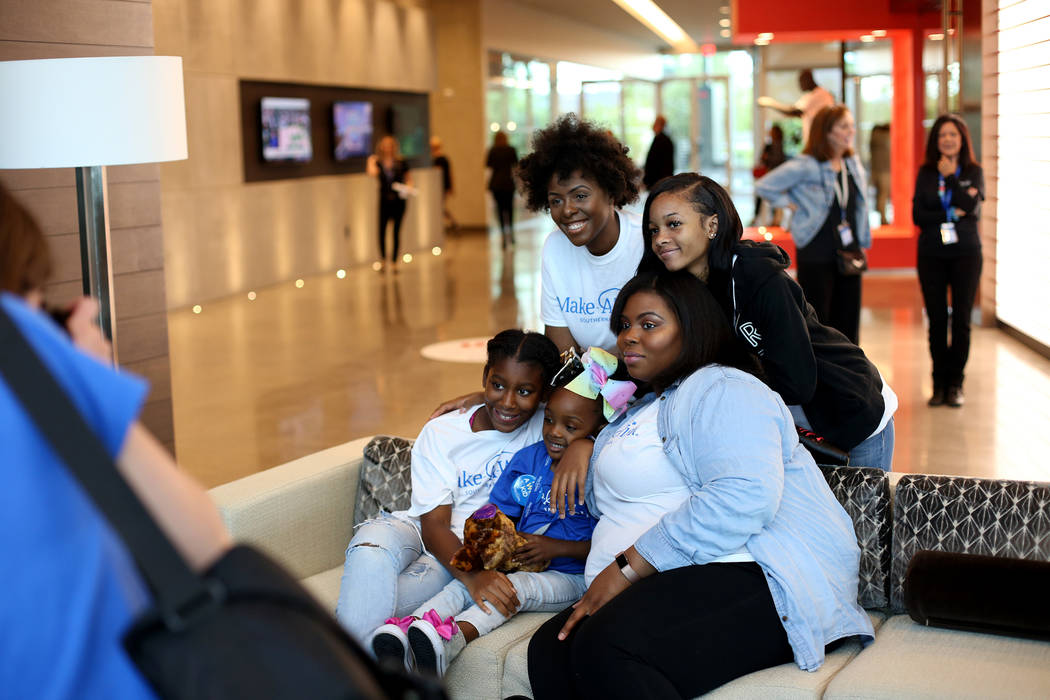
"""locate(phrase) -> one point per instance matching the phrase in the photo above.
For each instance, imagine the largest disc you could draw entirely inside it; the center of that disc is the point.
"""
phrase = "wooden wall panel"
(36, 29)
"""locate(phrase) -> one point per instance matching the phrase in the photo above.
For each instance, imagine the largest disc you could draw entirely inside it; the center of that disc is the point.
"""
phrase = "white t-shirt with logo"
(579, 288)
(453, 465)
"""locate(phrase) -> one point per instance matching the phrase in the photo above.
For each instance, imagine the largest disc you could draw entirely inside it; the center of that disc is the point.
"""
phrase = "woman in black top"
(946, 207)
(395, 182)
(501, 161)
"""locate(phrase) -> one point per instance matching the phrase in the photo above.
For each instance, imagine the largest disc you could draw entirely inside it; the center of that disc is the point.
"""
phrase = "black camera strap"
(174, 585)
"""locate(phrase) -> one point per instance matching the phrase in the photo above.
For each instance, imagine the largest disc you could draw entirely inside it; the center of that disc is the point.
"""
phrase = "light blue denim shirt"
(809, 184)
(753, 486)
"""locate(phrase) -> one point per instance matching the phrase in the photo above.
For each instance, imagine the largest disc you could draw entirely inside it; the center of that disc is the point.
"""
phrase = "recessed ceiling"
(699, 18)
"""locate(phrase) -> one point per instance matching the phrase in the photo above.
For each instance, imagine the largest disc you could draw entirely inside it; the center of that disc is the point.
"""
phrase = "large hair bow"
(594, 381)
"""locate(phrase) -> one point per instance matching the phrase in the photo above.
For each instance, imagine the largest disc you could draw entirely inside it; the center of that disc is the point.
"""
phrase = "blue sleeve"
(501, 495)
(108, 399)
(775, 186)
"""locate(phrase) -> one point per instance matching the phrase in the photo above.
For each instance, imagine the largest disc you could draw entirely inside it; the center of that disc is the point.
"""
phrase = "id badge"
(948, 234)
(846, 234)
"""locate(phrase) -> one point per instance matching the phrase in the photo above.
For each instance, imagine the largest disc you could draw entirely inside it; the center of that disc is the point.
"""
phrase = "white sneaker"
(431, 651)
(390, 646)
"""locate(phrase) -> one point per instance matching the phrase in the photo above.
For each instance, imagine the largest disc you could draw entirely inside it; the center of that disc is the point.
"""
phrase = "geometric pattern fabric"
(1001, 518)
(385, 482)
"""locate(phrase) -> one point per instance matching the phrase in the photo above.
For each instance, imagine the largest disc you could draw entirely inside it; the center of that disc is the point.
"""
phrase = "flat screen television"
(410, 129)
(352, 125)
(286, 130)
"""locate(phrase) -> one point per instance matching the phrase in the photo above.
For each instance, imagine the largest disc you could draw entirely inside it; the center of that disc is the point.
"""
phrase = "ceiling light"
(648, 13)
(867, 38)
(724, 22)
(765, 36)
(878, 32)
(936, 37)
(724, 9)
(726, 33)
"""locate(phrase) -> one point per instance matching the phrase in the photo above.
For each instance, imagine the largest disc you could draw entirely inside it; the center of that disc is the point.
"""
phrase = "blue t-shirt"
(523, 491)
(70, 589)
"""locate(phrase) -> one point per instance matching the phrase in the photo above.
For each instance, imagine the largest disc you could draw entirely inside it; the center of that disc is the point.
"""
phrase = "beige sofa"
(302, 513)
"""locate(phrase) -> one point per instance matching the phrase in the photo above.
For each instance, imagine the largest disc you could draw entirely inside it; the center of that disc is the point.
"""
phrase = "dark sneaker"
(390, 646)
(937, 399)
(954, 396)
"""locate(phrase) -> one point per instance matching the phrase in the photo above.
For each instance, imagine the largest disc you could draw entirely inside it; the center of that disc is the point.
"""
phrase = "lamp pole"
(93, 215)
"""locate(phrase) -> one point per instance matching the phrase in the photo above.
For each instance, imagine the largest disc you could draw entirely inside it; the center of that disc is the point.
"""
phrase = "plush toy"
(489, 542)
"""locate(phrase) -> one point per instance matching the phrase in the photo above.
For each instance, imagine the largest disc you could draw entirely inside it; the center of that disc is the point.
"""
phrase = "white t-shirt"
(635, 484)
(579, 288)
(810, 104)
(453, 465)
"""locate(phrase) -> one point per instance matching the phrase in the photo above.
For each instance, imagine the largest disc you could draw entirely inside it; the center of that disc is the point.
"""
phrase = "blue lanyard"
(946, 195)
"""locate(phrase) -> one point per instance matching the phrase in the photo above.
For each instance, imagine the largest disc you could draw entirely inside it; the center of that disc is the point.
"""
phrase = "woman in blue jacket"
(826, 188)
(727, 552)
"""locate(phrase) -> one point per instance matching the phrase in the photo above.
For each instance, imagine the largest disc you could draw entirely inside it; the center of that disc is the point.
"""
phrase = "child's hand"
(570, 477)
(494, 587)
(537, 549)
(460, 402)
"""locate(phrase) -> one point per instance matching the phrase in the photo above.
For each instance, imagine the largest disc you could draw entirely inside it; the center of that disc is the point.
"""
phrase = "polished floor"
(261, 381)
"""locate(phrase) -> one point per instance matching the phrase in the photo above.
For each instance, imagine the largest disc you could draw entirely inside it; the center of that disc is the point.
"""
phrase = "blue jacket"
(734, 441)
(809, 184)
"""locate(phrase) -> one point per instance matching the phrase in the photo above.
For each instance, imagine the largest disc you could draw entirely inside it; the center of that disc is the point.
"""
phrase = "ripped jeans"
(386, 573)
(546, 591)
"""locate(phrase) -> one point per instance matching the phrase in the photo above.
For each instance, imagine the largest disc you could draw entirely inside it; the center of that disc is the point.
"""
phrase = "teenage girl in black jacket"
(946, 207)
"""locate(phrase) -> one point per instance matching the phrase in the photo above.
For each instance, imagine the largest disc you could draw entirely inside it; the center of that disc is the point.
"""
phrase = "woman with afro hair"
(583, 176)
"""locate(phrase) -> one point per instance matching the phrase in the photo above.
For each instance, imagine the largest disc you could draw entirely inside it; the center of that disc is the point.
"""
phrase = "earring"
(712, 236)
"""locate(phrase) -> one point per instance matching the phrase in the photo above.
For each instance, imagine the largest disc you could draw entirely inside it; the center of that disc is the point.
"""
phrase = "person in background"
(814, 98)
(946, 207)
(501, 161)
(879, 146)
(437, 153)
(659, 163)
(772, 157)
(394, 183)
(71, 590)
(826, 188)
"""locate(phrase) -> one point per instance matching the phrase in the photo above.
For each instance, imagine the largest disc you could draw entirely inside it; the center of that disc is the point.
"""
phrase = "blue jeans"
(386, 574)
(546, 591)
(876, 451)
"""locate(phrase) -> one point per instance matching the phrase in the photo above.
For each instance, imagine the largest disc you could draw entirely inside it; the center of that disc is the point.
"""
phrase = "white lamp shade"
(74, 112)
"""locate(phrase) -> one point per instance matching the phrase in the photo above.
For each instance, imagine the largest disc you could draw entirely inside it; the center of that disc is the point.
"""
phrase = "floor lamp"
(87, 113)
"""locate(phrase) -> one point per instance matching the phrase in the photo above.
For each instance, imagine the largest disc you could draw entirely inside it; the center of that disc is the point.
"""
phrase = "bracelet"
(625, 568)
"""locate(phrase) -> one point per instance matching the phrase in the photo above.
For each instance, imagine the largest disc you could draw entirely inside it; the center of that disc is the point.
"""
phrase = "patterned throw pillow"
(385, 482)
(993, 517)
(865, 494)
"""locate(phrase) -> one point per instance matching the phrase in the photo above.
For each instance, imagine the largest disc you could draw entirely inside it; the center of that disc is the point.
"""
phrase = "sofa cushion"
(908, 660)
(865, 494)
(385, 482)
(784, 681)
(325, 587)
(1002, 518)
(480, 670)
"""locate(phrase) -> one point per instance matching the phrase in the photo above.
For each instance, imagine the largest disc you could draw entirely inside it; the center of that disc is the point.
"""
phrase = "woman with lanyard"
(825, 188)
(946, 207)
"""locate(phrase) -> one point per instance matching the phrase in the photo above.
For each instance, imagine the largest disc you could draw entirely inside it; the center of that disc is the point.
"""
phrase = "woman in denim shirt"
(724, 554)
(826, 189)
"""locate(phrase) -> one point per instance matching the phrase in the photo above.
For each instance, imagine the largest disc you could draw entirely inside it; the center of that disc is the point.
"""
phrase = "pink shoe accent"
(446, 628)
(401, 622)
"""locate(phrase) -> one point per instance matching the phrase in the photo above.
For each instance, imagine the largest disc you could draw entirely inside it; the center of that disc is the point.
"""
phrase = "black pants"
(390, 210)
(505, 211)
(936, 275)
(835, 297)
(676, 634)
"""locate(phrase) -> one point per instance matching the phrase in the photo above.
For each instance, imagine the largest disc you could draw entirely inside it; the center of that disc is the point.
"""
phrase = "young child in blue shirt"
(578, 408)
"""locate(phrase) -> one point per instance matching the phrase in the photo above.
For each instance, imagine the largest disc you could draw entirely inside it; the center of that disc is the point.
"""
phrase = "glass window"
(639, 111)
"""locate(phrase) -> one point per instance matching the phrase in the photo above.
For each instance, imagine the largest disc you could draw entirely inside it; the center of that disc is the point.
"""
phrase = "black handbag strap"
(178, 590)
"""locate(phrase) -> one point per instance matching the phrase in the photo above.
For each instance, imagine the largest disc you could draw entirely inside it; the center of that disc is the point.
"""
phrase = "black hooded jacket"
(807, 363)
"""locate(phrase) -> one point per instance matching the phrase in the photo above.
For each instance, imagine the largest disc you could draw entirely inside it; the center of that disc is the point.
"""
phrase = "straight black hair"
(524, 346)
(707, 198)
(706, 336)
(933, 151)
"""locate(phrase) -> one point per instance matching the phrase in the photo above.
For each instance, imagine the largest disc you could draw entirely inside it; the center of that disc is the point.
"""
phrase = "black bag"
(243, 629)
(851, 262)
(823, 451)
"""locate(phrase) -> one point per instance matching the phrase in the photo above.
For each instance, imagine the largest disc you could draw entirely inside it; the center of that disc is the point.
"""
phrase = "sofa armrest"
(301, 512)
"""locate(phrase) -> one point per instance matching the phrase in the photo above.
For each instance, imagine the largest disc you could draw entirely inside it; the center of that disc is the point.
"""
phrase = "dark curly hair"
(524, 346)
(568, 145)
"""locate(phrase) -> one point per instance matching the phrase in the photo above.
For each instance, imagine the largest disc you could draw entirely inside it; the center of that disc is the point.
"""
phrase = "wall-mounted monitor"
(410, 129)
(352, 124)
(286, 130)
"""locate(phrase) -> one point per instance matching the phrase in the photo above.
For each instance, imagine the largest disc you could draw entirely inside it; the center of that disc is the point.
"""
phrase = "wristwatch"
(625, 568)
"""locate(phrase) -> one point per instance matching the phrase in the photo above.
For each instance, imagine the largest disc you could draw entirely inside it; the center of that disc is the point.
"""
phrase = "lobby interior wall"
(37, 29)
(223, 236)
